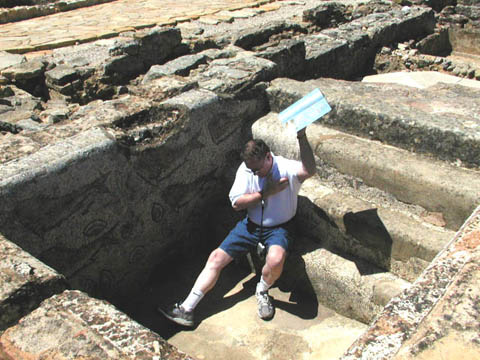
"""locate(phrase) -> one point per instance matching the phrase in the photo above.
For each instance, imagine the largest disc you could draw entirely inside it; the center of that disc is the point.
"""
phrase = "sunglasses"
(256, 171)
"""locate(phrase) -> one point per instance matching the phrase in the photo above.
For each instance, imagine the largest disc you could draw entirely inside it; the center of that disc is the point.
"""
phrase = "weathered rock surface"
(24, 283)
(438, 314)
(333, 276)
(442, 114)
(73, 325)
(7, 59)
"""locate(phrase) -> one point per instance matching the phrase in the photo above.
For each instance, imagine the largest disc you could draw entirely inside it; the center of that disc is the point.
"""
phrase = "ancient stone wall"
(103, 212)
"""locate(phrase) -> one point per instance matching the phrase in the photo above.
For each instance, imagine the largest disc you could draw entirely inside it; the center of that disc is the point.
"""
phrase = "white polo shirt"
(279, 208)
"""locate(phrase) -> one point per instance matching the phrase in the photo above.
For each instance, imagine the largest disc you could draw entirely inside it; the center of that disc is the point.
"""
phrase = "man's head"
(257, 157)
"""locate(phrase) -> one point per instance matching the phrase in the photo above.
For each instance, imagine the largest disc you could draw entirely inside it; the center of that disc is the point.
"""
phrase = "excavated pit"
(123, 190)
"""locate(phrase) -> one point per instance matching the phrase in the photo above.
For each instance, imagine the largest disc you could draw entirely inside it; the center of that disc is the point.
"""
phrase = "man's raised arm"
(306, 156)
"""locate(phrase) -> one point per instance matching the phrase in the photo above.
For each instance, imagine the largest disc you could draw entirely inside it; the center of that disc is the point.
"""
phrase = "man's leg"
(271, 271)
(274, 262)
(207, 279)
(183, 314)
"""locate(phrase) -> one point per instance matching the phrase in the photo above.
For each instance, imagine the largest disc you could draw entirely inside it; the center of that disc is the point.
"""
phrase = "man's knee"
(218, 259)
(276, 256)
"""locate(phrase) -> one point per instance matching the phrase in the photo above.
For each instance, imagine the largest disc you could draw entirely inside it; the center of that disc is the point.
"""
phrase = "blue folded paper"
(306, 110)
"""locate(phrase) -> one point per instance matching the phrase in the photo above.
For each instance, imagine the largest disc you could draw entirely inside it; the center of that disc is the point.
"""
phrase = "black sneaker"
(179, 315)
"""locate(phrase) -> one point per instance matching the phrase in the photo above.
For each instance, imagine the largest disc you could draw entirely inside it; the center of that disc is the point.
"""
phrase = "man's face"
(260, 167)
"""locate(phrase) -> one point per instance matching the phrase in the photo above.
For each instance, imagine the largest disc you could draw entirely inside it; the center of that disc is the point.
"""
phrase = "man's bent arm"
(252, 199)
(309, 167)
(247, 200)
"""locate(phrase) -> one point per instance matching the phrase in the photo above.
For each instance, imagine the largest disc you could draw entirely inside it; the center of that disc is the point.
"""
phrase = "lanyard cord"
(260, 244)
(261, 221)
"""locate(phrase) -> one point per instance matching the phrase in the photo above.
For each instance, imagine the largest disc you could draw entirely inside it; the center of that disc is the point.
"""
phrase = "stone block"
(7, 59)
(119, 69)
(25, 71)
(17, 107)
(251, 37)
(398, 122)
(333, 277)
(6, 91)
(158, 45)
(24, 283)
(326, 15)
(73, 325)
(180, 66)
(61, 75)
(163, 87)
(235, 74)
(398, 25)
(289, 55)
(322, 54)
(435, 44)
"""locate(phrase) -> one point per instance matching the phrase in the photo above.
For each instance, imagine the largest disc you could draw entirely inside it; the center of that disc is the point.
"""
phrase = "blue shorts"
(246, 234)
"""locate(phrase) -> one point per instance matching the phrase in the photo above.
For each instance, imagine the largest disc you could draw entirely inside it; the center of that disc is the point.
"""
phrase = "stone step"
(349, 286)
(437, 314)
(435, 185)
(24, 283)
(388, 237)
(438, 121)
(73, 325)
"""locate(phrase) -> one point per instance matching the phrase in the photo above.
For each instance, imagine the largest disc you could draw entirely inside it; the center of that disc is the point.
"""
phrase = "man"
(267, 187)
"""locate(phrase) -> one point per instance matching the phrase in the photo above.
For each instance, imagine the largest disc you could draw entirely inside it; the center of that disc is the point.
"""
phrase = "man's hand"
(301, 133)
(272, 187)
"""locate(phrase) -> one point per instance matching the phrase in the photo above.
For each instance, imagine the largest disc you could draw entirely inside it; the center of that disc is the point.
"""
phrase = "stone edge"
(19, 13)
(56, 156)
(38, 279)
(113, 327)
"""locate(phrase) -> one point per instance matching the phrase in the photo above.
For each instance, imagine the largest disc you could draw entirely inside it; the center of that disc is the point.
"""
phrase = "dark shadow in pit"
(172, 281)
(360, 237)
(370, 232)
(313, 229)
(303, 301)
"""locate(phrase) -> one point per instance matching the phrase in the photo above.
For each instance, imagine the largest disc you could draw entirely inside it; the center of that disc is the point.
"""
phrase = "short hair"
(255, 148)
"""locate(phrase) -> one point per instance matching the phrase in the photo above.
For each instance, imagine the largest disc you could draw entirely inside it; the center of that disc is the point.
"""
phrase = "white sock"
(262, 286)
(192, 300)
